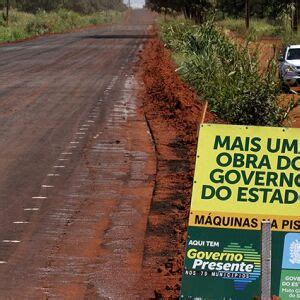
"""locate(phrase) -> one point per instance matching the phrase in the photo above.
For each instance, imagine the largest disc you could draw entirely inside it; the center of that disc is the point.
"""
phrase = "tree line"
(192, 9)
(199, 9)
(258, 8)
(80, 6)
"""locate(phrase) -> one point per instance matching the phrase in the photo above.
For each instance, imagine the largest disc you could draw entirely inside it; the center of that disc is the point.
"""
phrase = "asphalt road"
(77, 165)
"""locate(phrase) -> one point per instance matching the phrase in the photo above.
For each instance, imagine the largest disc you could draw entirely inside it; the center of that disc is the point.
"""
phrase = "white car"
(289, 66)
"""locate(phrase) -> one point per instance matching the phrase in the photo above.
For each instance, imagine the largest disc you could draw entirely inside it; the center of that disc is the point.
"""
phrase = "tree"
(295, 13)
(5, 13)
(192, 9)
(247, 13)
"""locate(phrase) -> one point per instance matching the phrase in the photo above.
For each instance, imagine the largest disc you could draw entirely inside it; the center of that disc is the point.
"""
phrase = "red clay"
(173, 112)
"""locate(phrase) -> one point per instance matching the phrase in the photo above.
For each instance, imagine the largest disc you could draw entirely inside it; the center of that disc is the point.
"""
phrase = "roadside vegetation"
(227, 74)
(224, 74)
(24, 19)
(259, 27)
(280, 27)
(23, 25)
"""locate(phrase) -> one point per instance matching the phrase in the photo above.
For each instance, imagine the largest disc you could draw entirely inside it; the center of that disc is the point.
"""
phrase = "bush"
(226, 75)
(37, 27)
(284, 22)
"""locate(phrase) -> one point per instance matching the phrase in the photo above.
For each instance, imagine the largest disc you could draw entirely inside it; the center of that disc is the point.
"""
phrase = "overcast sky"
(136, 3)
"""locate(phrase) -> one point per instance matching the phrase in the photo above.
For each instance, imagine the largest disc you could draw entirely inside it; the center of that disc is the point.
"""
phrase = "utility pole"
(247, 13)
(129, 3)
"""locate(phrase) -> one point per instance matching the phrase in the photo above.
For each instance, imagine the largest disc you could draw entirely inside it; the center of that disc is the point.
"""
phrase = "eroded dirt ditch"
(173, 113)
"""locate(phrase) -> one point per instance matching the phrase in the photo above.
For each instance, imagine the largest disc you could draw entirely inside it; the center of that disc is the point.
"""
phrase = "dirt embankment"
(173, 112)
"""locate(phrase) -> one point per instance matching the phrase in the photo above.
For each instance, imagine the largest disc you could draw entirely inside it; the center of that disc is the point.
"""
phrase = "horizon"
(136, 3)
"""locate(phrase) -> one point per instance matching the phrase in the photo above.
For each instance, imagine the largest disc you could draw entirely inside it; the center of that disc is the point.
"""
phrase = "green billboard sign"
(243, 176)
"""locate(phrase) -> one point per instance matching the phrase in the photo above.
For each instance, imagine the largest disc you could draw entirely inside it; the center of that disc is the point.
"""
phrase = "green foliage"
(280, 27)
(16, 28)
(258, 27)
(80, 6)
(23, 25)
(54, 22)
(283, 21)
(195, 9)
(225, 75)
(259, 8)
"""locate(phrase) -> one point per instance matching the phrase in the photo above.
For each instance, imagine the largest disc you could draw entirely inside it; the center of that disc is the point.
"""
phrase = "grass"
(260, 28)
(225, 74)
(23, 25)
(290, 38)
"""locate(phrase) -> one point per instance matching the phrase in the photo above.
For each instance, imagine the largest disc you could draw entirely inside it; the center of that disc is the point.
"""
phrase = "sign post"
(244, 176)
(266, 255)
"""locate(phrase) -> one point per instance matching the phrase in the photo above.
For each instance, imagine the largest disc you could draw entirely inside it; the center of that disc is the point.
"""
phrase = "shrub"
(258, 27)
(38, 27)
(226, 75)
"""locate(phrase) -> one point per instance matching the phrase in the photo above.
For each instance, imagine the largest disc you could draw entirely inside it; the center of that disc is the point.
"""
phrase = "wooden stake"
(204, 113)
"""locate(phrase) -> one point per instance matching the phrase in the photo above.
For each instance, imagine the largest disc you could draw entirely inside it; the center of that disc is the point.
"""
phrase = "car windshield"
(293, 54)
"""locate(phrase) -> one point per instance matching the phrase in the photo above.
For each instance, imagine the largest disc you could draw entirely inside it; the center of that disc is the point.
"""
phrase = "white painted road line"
(39, 197)
(21, 222)
(53, 175)
(2, 262)
(11, 241)
(47, 186)
(74, 142)
(63, 159)
(32, 209)
(58, 167)
(67, 153)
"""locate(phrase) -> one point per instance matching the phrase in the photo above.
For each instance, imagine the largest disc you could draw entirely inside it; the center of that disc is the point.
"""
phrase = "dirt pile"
(173, 112)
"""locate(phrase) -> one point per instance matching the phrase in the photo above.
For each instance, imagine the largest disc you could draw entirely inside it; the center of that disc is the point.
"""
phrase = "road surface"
(77, 165)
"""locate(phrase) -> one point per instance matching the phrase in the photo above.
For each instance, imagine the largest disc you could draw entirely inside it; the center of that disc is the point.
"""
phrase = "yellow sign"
(247, 174)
